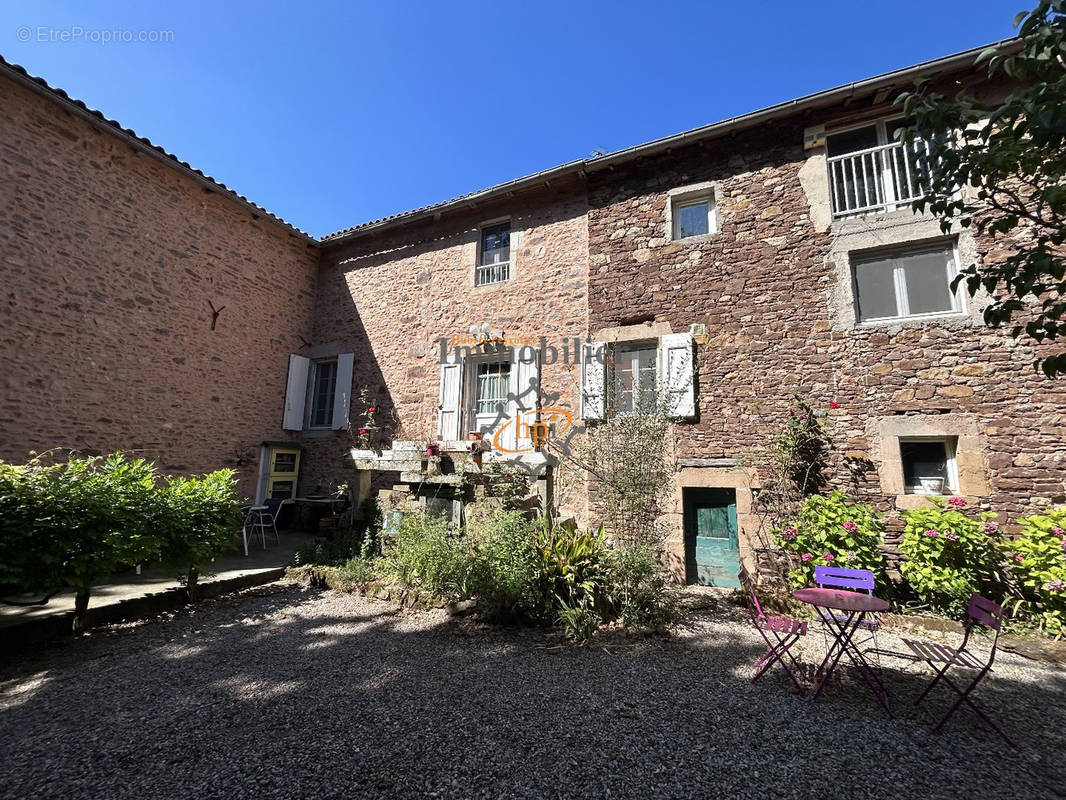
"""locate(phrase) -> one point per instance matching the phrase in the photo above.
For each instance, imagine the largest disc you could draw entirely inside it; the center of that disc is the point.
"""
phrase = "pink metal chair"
(784, 630)
(981, 611)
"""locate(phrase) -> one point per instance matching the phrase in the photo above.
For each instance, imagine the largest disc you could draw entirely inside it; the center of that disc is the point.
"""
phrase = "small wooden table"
(855, 606)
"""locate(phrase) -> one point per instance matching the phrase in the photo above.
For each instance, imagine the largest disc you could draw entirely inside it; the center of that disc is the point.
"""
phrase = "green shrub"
(571, 569)
(1036, 559)
(359, 571)
(641, 592)
(332, 551)
(947, 555)
(201, 518)
(831, 531)
(76, 523)
(503, 576)
(427, 554)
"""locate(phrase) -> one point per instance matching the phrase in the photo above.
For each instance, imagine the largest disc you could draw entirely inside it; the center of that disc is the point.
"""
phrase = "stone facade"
(110, 261)
(769, 285)
(113, 260)
(390, 298)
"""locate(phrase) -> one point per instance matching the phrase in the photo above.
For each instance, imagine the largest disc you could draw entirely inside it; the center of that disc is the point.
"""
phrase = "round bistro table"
(842, 627)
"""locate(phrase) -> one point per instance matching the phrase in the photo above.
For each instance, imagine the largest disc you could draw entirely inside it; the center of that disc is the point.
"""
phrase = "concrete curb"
(40, 631)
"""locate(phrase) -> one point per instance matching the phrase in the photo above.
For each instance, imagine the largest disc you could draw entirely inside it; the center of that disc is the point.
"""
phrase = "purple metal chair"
(981, 611)
(856, 580)
(784, 630)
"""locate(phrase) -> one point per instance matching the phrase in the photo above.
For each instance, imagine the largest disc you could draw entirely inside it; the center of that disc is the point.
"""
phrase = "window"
(929, 465)
(870, 171)
(323, 390)
(914, 283)
(493, 384)
(494, 254)
(692, 215)
(634, 378)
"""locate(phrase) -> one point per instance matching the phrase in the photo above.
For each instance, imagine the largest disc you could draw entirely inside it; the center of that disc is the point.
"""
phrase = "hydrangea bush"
(1036, 560)
(948, 555)
(830, 531)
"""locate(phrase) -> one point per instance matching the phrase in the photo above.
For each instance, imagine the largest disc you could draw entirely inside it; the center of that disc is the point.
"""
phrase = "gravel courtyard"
(289, 691)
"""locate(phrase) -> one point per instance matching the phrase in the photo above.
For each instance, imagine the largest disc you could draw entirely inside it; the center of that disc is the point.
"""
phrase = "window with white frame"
(870, 171)
(494, 254)
(692, 215)
(929, 465)
(493, 382)
(904, 284)
(323, 392)
(634, 378)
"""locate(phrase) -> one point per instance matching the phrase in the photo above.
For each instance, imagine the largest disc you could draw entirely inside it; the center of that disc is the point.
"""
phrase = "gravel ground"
(288, 691)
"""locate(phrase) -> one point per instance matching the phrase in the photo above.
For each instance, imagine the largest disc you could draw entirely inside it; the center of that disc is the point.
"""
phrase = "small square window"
(692, 215)
(494, 254)
(929, 465)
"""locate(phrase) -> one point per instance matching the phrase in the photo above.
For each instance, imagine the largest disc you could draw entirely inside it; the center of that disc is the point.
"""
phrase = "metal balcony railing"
(876, 180)
(492, 273)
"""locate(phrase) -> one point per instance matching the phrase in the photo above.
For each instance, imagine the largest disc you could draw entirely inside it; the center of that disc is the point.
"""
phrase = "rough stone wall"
(108, 262)
(763, 286)
(390, 297)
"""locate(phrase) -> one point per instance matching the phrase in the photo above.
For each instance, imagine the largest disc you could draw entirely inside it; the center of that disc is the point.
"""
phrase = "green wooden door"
(712, 547)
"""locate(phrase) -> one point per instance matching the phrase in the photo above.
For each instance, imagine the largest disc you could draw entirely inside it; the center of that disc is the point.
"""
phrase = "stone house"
(734, 265)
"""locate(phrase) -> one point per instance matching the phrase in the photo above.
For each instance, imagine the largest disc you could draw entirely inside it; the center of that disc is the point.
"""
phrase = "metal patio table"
(842, 627)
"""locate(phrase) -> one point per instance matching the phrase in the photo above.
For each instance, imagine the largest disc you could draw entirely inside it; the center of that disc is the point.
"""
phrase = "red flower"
(834, 404)
(362, 431)
(371, 410)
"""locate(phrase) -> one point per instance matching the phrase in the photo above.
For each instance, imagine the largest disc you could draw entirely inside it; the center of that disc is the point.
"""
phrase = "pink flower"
(834, 404)
(1058, 531)
(852, 557)
(1018, 558)
(991, 528)
(806, 557)
(957, 502)
(932, 534)
(1055, 586)
(789, 533)
(850, 526)
(952, 535)
(828, 556)
(1064, 544)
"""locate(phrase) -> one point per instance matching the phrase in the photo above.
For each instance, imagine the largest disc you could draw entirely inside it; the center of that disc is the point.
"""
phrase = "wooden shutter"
(296, 393)
(594, 381)
(523, 398)
(450, 399)
(676, 375)
(342, 394)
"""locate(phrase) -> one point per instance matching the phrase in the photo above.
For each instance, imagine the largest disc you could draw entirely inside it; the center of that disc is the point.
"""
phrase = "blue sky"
(331, 114)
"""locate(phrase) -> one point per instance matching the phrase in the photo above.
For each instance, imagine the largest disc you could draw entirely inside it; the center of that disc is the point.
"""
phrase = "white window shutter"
(296, 393)
(342, 394)
(523, 400)
(676, 375)
(451, 382)
(594, 381)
